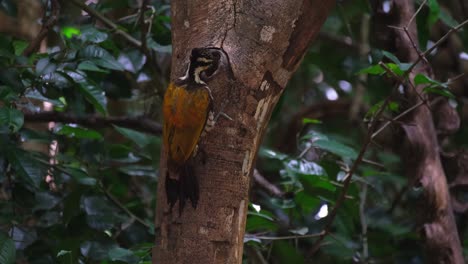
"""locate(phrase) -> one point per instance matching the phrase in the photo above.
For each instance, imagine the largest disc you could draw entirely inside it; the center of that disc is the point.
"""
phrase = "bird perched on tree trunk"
(187, 110)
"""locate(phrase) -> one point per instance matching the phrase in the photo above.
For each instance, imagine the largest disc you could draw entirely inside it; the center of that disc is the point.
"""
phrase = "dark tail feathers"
(182, 189)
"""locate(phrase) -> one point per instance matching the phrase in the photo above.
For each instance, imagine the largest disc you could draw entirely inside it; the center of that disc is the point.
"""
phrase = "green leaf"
(78, 132)
(19, 46)
(7, 94)
(391, 57)
(69, 32)
(284, 252)
(26, 166)
(373, 110)
(439, 91)
(95, 96)
(141, 139)
(100, 213)
(304, 167)
(373, 70)
(306, 202)
(100, 57)
(310, 121)
(139, 170)
(7, 250)
(90, 66)
(91, 34)
(336, 148)
(122, 254)
(34, 94)
(395, 68)
(258, 223)
(448, 19)
(44, 66)
(12, 118)
(434, 11)
(80, 176)
(313, 182)
(63, 253)
(394, 106)
(45, 201)
(269, 153)
(423, 79)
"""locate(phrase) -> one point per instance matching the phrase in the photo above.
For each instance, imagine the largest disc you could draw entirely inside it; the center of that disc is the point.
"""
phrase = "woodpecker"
(187, 111)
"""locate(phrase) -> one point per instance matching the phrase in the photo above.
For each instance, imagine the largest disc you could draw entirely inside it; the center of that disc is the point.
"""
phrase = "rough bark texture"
(265, 41)
(421, 149)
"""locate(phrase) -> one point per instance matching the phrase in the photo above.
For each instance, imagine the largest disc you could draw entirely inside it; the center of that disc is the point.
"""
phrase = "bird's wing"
(185, 113)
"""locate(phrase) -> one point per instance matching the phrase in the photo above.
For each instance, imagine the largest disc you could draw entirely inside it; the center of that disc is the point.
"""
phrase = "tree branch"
(268, 186)
(149, 53)
(47, 24)
(140, 123)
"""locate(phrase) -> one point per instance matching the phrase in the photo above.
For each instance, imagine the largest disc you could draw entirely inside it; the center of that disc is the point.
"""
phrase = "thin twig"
(140, 123)
(346, 184)
(437, 44)
(268, 186)
(416, 13)
(407, 111)
(47, 24)
(114, 27)
(121, 206)
(362, 216)
(143, 29)
(159, 82)
(362, 78)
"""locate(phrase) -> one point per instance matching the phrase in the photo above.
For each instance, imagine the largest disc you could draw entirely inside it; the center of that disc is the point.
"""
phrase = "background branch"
(47, 24)
(140, 123)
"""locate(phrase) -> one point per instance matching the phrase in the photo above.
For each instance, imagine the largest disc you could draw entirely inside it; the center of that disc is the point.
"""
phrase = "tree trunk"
(265, 41)
(421, 149)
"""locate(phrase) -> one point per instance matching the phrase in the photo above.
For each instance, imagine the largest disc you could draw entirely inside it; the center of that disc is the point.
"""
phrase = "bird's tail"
(182, 189)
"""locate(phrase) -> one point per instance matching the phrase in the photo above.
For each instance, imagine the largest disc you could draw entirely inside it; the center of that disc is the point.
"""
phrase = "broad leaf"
(7, 250)
(12, 118)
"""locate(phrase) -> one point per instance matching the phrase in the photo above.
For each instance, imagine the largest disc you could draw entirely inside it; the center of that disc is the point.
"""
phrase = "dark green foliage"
(97, 204)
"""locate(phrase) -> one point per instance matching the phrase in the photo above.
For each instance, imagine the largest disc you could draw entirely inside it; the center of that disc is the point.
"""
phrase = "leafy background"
(74, 193)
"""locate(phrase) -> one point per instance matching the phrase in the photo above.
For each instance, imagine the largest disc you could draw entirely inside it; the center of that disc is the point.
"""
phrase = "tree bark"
(265, 41)
(421, 149)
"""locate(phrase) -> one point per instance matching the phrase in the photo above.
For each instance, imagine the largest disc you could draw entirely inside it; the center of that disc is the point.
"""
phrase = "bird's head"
(203, 64)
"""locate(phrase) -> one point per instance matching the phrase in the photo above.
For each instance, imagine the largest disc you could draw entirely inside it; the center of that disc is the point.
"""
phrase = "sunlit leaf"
(373, 70)
(269, 153)
(311, 121)
(69, 32)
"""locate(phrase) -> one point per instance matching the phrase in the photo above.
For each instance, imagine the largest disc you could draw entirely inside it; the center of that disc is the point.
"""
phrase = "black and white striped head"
(203, 63)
